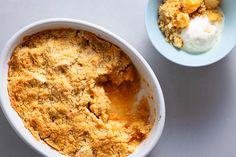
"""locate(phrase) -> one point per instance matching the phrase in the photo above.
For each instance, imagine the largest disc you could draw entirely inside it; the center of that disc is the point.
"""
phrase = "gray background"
(200, 102)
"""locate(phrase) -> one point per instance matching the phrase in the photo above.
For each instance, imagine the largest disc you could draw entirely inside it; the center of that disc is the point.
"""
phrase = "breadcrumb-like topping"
(212, 4)
(76, 92)
(175, 15)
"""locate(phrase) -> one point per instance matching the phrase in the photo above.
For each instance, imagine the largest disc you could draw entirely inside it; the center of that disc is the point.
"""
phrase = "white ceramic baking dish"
(150, 86)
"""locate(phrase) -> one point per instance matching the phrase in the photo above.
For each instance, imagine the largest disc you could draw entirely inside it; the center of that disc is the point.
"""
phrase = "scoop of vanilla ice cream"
(200, 36)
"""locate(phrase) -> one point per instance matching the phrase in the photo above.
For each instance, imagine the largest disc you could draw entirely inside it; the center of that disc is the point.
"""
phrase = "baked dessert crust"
(76, 92)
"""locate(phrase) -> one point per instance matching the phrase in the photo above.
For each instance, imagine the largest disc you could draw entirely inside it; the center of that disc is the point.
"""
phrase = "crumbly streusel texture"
(76, 92)
(175, 15)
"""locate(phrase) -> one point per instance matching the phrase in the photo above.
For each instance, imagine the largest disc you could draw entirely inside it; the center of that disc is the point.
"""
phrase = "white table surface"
(200, 102)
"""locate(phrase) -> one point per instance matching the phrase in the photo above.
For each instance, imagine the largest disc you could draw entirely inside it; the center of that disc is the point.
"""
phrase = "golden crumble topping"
(212, 4)
(76, 92)
(175, 15)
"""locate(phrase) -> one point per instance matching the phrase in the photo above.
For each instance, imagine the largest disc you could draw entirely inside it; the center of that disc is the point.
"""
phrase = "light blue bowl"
(225, 45)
